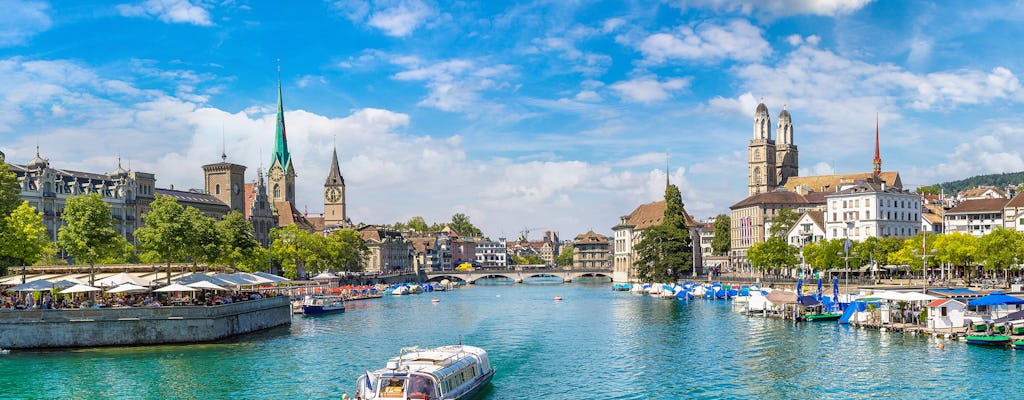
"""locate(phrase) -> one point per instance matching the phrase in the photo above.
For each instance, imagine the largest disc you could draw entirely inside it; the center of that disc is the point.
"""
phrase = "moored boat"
(450, 372)
(321, 304)
(988, 340)
(823, 317)
(622, 287)
(1018, 344)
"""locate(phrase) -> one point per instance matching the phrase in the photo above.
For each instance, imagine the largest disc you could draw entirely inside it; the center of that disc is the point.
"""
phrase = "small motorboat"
(1018, 344)
(449, 372)
(622, 287)
(823, 317)
(322, 304)
(988, 340)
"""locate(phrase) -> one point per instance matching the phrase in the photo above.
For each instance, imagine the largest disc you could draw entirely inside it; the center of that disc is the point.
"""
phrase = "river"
(593, 344)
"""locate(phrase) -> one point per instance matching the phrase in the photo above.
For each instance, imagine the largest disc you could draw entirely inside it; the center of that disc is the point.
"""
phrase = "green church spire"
(281, 138)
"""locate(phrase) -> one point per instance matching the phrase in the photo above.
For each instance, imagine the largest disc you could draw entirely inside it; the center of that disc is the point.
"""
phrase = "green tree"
(237, 242)
(722, 242)
(10, 199)
(292, 248)
(772, 254)
(909, 253)
(959, 250)
(418, 224)
(782, 222)
(666, 249)
(23, 236)
(347, 250)
(88, 234)
(825, 255)
(202, 240)
(564, 259)
(165, 236)
(874, 249)
(529, 259)
(461, 224)
(122, 252)
(931, 189)
(1000, 250)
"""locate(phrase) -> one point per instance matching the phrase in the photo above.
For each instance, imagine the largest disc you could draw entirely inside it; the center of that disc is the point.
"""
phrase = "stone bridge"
(519, 274)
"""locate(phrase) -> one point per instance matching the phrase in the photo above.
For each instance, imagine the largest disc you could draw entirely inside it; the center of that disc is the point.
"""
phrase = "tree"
(10, 199)
(23, 236)
(874, 249)
(291, 248)
(909, 253)
(666, 249)
(88, 234)
(202, 241)
(564, 259)
(529, 259)
(165, 236)
(722, 241)
(347, 250)
(959, 250)
(1000, 249)
(782, 222)
(931, 189)
(417, 224)
(121, 252)
(825, 254)
(460, 223)
(237, 242)
(771, 254)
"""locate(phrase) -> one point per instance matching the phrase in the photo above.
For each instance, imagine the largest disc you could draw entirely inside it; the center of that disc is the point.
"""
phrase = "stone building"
(590, 252)
(629, 232)
(752, 217)
(771, 164)
(491, 254)
(335, 215)
(257, 209)
(388, 253)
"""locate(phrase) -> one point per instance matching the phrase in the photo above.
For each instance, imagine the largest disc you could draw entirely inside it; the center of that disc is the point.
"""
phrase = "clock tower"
(334, 195)
(281, 175)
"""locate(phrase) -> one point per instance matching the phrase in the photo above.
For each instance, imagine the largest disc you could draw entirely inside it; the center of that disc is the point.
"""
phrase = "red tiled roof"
(980, 205)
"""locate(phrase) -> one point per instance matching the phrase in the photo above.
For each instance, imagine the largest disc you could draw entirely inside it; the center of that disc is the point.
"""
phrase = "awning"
(121, 278)
(205, 285)
(270, 277)
(176, 287)
(80, 289)
(781, 297)
(128, 288)
(995, 299)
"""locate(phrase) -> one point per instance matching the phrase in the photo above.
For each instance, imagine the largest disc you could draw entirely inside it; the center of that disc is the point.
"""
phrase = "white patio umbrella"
(121, 278)
(80, 289)
(205, 285)
(176, 287)
(128, 288)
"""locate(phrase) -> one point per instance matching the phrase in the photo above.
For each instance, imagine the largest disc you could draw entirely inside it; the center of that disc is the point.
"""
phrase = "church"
(773, 183)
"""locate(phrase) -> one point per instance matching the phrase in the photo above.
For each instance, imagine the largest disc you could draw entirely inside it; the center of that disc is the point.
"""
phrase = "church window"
(757, 175)
(277, 191)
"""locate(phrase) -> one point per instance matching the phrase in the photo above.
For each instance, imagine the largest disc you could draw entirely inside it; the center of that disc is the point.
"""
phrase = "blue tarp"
(850, 309)
(995, 299)
(808, 301)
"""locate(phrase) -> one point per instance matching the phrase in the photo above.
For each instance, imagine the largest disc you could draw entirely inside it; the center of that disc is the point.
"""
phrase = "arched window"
(217, 190)
(277, 191)
(757, 175)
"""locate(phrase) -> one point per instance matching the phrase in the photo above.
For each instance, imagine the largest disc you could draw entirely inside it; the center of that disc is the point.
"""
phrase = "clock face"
(333, 194)
(276, 173)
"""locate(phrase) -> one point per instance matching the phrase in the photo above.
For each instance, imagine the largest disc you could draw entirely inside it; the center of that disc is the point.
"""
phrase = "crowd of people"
(47, 300)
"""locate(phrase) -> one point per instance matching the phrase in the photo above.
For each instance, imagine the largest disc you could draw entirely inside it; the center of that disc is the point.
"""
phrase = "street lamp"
(924, 264)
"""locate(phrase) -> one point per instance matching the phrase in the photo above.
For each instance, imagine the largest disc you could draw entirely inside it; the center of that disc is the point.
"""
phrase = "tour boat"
(988, 340)
(322, 304)
(448, 373)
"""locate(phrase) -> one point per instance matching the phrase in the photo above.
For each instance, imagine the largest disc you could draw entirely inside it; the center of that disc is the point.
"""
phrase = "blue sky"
(542, 115)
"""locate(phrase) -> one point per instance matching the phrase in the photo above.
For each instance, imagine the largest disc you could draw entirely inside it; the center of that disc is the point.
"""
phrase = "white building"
(808, 229)
(1013, 213)
(977, 217)
(629, 232)
(491, 254)
(869, 208)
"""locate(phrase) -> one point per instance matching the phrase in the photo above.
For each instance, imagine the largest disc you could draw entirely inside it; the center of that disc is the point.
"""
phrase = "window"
(277, 191)
(217, 190)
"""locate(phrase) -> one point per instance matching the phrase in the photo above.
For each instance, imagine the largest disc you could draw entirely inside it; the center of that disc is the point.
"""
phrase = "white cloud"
(22, 20)
(737, 40)
(398, 18)
(588, 96)
(781, 8)
(455, 85)
(649, 89)
(171, 11)
(993, 147)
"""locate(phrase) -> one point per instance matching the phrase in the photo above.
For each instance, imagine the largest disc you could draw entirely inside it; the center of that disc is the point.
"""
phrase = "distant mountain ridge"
(998, 180)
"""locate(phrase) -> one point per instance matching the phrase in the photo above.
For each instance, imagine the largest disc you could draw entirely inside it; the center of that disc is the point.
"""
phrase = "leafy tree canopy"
(461, 224)
(722, 242)
(564, 258)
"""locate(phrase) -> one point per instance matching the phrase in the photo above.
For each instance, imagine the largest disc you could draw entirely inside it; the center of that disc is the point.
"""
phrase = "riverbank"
(134, 326)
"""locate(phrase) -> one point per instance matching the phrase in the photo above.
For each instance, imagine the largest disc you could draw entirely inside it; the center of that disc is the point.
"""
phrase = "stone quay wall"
(34, 329)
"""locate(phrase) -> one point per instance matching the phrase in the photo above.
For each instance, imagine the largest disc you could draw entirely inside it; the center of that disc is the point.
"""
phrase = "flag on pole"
(846, 247)
(369, 385)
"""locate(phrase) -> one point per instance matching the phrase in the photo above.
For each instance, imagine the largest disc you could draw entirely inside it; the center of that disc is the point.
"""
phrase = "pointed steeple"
(281, 138)
(878, 156)
(334, 178)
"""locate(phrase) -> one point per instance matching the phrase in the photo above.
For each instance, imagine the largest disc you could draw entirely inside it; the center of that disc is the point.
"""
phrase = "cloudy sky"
(540, 115)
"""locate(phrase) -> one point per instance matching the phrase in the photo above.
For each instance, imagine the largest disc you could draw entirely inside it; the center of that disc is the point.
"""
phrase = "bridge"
(519, 274)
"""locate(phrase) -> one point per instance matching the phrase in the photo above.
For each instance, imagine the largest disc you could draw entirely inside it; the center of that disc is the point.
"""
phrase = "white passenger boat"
(322, 304)
(449, 372)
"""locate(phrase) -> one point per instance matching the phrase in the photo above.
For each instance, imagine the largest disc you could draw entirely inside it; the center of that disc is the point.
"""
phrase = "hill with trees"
(997, 180)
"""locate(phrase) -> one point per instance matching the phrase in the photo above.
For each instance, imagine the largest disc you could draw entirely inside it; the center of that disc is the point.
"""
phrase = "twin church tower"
(771, 163)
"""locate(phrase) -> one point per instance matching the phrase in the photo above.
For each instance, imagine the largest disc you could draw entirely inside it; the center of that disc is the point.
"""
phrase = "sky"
(526, 116)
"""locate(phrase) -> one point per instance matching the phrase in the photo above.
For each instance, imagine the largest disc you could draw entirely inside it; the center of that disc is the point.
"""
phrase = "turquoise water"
(594, 344)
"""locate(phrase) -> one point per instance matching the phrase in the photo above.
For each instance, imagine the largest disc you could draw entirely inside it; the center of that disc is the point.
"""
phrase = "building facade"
(388, 251)
(1013, 213)
(590, 252)
(491, 254)
(751, 218)
(976, 217)
(629, 232)
(334, 196)
(771, 164)
(809, 228)
(870, 208)
(281, 175)
(226, 182)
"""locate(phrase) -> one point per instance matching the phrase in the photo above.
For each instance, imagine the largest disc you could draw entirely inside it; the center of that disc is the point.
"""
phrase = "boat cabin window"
(421, 387)
(392, 387)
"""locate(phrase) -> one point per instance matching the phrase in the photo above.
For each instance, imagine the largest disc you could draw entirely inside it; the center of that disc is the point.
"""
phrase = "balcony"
(49, 194)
